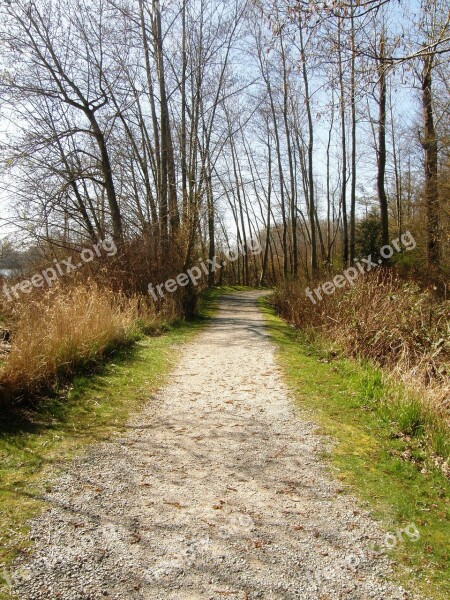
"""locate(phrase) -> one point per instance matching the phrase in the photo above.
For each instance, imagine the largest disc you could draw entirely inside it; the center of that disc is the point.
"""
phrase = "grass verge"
(388, 471)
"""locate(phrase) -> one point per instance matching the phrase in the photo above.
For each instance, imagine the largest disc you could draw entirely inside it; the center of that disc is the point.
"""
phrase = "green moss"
(378, 450)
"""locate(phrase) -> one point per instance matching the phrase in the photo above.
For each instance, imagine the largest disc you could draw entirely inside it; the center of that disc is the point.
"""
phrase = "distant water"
(7, 272)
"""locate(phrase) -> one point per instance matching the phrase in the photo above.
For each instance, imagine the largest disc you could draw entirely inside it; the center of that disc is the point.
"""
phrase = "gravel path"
(216, 491)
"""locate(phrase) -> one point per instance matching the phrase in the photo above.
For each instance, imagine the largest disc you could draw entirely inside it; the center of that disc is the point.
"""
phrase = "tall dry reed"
(383, 318)
(55, 333)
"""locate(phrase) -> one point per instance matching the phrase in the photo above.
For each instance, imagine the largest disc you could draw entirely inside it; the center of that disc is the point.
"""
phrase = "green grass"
(36, 445)
(352, 403)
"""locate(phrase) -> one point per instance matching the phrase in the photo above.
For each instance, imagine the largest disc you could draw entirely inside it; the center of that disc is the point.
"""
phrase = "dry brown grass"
(382, 318)
(55, 333)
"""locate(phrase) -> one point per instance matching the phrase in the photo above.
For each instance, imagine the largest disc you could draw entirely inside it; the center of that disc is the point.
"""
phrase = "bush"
(368, 235)
(399, 327)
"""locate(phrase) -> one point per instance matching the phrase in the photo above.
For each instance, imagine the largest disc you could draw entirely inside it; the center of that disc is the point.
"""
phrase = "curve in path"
(216, 491)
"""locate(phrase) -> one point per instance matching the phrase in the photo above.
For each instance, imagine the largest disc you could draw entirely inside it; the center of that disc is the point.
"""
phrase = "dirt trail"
(216, 491)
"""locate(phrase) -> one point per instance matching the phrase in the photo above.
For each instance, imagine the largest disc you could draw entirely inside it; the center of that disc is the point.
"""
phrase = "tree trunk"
(183, 119)
(429, 144)
(381, 172)
(330, 131)
(116, 217)
(269, 196)
(211, 225)
(345, 253)
(311, 200)
(293, 200)
(353, 180)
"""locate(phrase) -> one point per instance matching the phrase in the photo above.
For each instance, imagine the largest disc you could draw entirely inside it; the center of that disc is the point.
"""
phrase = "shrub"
(401, 328)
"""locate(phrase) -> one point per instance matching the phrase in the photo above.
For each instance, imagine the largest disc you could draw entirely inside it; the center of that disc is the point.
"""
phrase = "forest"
(264, 182)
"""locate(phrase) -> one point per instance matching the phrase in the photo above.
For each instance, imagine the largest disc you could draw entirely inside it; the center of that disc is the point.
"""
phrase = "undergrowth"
(56, 334)
(399, 327)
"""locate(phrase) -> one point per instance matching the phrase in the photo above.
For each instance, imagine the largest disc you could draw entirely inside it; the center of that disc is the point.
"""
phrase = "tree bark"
(311, 200)
(381, 172)
(353, 109)
(429, 144)
(345, 241)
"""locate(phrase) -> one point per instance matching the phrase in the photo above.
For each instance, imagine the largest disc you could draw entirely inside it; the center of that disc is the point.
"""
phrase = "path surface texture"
(217, 490)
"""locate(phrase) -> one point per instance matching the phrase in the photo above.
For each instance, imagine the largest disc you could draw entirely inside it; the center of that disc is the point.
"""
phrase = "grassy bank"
(56, 334)
(389, 470)
(399, 325)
